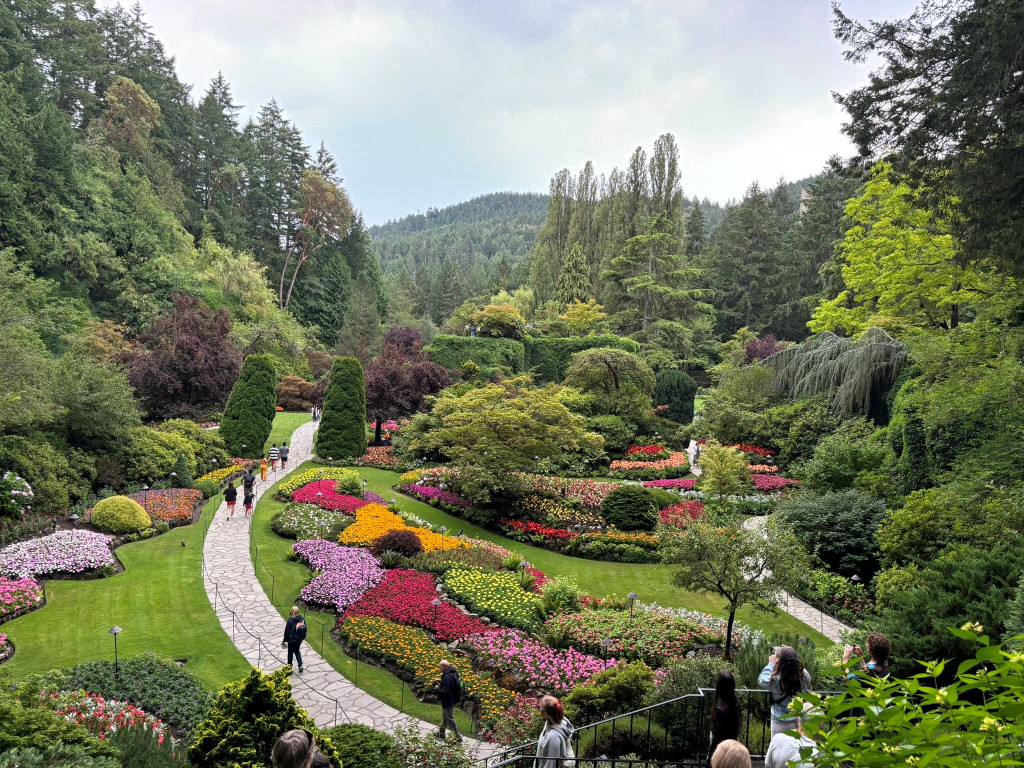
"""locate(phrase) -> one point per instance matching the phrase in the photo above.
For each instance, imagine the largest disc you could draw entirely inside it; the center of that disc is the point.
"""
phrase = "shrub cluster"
(119, 514)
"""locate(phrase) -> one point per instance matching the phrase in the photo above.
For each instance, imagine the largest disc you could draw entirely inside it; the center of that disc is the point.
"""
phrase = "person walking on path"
(784, 677)
(554, 746)
(275, 454)
(727, 717)
(230, 497)
(284, 455)
(248, 481)
(247, 502)
(450, 695)
(263, 467)
(294, 634)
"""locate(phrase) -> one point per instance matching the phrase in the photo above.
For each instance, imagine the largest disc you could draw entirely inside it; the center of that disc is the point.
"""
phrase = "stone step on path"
(256, 628)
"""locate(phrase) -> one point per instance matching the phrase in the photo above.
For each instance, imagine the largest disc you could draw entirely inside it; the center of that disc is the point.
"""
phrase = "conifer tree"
(677, 390)
(342, 432)
(361, 333)
(249, 414)
(574, 279)
(695, 234)
(182, 475)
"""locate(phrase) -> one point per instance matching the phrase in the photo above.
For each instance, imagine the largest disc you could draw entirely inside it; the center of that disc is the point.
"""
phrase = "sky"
(426, 103)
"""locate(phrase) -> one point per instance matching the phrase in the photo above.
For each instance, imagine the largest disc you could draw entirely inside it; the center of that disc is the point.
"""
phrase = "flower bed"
(223, 474)
(100, 716)
(681, 484)
(755, 450)
(436, 497)
(406, 596)
(174, 506)
(348, 480)
(411, 650)
(18, 596)
(308, 521)
(520, 530)
(771, 483)
(764, 469)
(345, 573)
(209, 424)
(535, 666)
(617, 546)
(374, 520)
(381, 457)
(676, 465)
(589, 493)
(499, 596)
(323, 493)
(63, 552)
(682, 514)
(647, 452)
(653, 637)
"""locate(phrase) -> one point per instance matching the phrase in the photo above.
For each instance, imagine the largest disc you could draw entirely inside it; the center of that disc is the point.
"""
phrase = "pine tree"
(249, 414)
(449, 291)
(695, 234)
(182, 475)
(552, 242)
(502, 278)
(217, 157)
(361, 333)
(362, 262)
(342, 432)
(574, 279)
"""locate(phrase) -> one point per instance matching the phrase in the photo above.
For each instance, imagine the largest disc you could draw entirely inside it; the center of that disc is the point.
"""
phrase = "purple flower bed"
(372, 498)
(346, 573)
(61, 552)
(435, 496)
(683, 484)
(538, 666)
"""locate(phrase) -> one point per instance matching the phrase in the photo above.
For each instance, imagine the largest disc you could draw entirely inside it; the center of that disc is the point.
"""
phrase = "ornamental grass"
(374, 520)
(499, 596)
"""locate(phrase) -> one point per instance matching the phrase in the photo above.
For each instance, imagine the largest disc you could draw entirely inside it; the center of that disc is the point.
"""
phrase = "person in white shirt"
(784, 749)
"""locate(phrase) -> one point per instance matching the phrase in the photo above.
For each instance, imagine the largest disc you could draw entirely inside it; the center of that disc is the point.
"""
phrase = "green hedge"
(548, 356)
(452, 351)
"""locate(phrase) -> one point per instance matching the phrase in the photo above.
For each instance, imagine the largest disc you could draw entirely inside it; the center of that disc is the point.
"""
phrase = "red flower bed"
(536, 529)
(682, 514)
(772, 482)
(172, 505)
(405, 597)
(682, 484)
(755, 449)
(381, 457)
(540, 579)
(323, 494)
(647, 451)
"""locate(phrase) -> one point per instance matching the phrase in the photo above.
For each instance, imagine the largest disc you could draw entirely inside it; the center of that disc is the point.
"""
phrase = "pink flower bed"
(18, 594)
(681, 484)
(538, 666)
(324, 495)
(590, 493)
(405, 597)
(381, 457)
(61, 552)
(346, 573)
(435, 496)
(769, 483)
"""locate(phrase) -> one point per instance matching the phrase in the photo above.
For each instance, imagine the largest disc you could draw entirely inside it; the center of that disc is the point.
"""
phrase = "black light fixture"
(607, 643)
(115, 631)
(632, 599)
(855, 579)
(436, 602)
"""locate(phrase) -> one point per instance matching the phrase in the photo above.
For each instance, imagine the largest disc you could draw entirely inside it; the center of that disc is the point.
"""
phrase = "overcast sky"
(426, 103)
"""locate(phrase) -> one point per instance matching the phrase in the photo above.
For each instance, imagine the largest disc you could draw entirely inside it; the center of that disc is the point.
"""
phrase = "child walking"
(250, 497)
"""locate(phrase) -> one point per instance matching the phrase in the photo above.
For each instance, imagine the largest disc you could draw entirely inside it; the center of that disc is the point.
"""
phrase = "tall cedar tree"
(677, 390)
(342, 432)
(360, 336)
(398, 380)
(574, 279)
(696, 236)
(249, 414)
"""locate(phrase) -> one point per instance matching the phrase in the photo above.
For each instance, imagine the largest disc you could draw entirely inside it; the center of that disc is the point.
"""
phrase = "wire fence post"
(335, 711)
(259, 654)
(401, 707)
(232, 626)
(322, 639)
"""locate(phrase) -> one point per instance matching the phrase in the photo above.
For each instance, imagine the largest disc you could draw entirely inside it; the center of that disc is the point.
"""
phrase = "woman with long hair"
(554, 748)
(727, 716)
(784, 677)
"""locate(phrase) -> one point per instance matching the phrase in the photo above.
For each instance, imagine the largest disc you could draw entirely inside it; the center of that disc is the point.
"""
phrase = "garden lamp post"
(632, 599)
(364, 490)
(173, 475)
(855, 579)
(394, 503)
(607, 643)
(74, 519)
(459, 534)
(145, 495)
(522, 573)
(436, 602)
(442, 529)
(115, 631)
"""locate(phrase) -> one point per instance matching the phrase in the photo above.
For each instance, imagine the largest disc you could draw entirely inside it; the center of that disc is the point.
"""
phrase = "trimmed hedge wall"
(548, 356)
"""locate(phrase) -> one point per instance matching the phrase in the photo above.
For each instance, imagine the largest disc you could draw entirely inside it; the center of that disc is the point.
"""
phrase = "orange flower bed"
(374, 520)
(763, 469)
(171, 505)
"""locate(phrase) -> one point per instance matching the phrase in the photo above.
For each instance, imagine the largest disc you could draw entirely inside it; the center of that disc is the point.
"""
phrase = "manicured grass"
(285, 422)
(159, 601)
(283, 579)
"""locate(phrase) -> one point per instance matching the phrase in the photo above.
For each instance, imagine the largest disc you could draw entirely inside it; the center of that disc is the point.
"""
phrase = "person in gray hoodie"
(784, 677)
(554, 747)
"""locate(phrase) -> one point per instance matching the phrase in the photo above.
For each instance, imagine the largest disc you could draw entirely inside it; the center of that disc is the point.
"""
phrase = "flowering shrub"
(764, 469)
(60, 552)
(308, 521)
(590, 493)
(323, 493)
(653, 637)
(520, 530)
(405, 597)
(647, 452)
(435, 476)
(209, 424)
(374, 520)
(381, 457)
(770, 483)
(682, 514)
(411, 650)
(435, 497)
(18, 594)
(15, 496)
(681, 484)
(520, 723)
(499, 596)
(172, 505)
(757, 450)
(101, 716)
(536, 666)
(676, 465)
(345, 573)
(348, 480)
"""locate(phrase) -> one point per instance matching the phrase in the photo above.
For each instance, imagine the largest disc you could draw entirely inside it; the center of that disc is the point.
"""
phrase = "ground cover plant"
(343, 574)
(498, 596)
(63, 552)
(309, 521)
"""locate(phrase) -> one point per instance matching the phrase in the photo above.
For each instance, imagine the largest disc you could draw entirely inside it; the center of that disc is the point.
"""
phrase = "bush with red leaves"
(404, 542)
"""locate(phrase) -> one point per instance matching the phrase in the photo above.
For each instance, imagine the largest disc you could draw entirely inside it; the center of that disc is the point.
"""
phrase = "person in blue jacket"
(784, 677)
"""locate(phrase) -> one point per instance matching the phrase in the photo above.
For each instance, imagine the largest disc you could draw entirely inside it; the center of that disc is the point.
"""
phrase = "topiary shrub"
(182, 477)
(548, 356)
(342, 432)
(453, 351)
(361, 746)
(630, 508)
(406, 543)
(619, 689)
(251, 408)
(119, 514)
(210, 488)
(676, 390)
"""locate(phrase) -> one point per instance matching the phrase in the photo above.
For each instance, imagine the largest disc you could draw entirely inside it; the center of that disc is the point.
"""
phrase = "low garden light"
(73, 517)
(115, 631)
(145, 494)
(632, 599)
(522, 573)
(442, 529)
(855, 578)
(607, 643)
(436, 602)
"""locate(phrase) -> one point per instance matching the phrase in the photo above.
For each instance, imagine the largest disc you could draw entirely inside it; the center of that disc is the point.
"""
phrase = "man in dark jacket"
(294, 634)
(450, 695)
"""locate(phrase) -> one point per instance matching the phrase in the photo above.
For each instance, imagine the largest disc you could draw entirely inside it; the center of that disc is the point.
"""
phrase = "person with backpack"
(554, 745)
(284, 455)
(275, 454)
(294, 634)
(784, 677)
(248, 481)
(230, 497)
(450, 695)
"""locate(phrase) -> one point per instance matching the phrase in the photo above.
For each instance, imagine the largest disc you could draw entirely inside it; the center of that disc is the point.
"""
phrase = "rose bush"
(61, 552)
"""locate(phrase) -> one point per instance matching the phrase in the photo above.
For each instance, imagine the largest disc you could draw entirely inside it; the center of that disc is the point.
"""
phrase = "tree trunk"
(291, 285)
(376, 432)
(728, 632)
(280, 288)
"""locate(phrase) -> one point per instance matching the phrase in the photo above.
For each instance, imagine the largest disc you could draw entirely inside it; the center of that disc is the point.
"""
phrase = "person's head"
(294, 749)
(231, 483)
(274, 445)
(725, 687)
(730, 754)
(878, 648)
(552, 710)
(444, 665)
(295, 611)
(284, 443)
(789, 671)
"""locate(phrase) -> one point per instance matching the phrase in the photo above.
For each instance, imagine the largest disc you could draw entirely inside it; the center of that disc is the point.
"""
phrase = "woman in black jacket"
(230, 497)
(294, 634)
(727, 717)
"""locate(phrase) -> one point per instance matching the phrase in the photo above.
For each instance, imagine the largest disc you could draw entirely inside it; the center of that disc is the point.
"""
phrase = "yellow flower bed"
(499, 596)
(220, 475)
(374, 520)
(410, 477)
(412, 650)
(349, 480)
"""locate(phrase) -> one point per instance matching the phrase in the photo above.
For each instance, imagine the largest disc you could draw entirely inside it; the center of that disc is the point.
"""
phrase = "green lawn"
(285, 423)
(159, 601)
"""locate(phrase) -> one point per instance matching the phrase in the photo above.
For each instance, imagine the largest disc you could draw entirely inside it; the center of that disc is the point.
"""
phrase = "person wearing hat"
(784, 677)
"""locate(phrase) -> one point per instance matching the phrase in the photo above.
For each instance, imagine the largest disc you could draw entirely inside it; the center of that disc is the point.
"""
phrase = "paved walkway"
(256, 628)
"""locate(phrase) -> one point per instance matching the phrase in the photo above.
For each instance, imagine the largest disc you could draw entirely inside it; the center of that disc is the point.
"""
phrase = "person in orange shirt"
(263, 468)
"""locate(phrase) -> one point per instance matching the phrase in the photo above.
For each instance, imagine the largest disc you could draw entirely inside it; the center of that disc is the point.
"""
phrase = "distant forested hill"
(484, 228)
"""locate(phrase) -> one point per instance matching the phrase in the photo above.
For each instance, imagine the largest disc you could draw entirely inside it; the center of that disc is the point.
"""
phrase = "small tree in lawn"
(182, 475)
(743, 566)
(723, 471)
(249, 414)
(342, 432)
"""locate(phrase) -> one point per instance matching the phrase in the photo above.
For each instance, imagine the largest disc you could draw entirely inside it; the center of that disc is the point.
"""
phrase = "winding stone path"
(256, 628)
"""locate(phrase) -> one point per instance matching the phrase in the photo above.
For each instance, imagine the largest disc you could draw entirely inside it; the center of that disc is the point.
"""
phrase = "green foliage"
(1015, 618)
(360, 746)
(210, 488)
(59, 755)
(753, 654)
(182, 477)
(838, 528)
(682, 677)
(677, 390)
(621, 382)
(619, 689)
(119, 514)
(342, 432)
(39, 728)
(416, 748)
(841, 457)
(630, 508)
(548, 357)
(892, 581)
(561, 594)
(150, 454)
(723, 470)
(57, 477)
(249, 414)
(246, 719)
(913, 461)
(141, 748)
(581, 317)
(501, 321)
(453, 351)
(574, 284)
(405, 543)
(618, 434)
